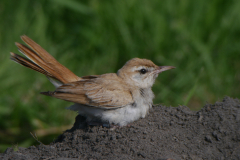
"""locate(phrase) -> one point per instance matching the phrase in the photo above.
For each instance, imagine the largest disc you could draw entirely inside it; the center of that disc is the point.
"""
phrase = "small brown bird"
(111, 99)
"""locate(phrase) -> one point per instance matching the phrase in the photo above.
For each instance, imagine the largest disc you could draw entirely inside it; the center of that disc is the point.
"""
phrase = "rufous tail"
(41, 61)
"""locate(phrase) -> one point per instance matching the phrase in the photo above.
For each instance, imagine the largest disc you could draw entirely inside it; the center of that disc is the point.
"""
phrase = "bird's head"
(141, 72)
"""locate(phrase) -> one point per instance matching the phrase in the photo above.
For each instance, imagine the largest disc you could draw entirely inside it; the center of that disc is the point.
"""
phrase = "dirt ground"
(166, 133)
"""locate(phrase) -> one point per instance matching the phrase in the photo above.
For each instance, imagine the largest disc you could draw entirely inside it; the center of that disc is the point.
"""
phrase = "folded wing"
(96, 92)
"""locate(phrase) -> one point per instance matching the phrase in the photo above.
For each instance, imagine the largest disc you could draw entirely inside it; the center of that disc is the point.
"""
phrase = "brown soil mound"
(167, 132)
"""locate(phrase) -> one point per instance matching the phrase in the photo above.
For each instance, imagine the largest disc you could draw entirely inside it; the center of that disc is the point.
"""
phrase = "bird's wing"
(96, 92)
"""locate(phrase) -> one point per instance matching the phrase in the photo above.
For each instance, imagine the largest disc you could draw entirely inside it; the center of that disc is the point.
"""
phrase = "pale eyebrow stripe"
(142, 67)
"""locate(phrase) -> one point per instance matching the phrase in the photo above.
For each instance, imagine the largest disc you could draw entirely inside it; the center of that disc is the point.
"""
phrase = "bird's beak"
(163, 68)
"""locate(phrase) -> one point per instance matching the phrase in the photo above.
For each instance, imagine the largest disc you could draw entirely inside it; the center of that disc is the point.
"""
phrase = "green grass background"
(200, 38)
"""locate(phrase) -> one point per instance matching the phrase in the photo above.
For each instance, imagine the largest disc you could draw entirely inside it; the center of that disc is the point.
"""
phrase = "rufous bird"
(114, 99)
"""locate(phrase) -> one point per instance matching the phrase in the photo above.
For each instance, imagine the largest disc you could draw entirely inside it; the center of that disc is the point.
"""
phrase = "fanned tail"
(27, 63)
(41, 61)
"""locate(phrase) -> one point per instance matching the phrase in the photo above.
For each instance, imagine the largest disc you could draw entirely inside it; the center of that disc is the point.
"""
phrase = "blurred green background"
(200, 38)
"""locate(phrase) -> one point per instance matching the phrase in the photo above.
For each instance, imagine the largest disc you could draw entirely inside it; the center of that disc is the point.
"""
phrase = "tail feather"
(30, 54)
(42, 61)
(27, 63)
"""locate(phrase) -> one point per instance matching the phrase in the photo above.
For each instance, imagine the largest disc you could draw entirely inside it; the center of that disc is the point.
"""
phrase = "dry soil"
(166, 133)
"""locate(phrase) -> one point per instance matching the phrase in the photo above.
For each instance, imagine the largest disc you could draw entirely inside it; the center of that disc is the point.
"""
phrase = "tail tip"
(24, 37)
(12, 54)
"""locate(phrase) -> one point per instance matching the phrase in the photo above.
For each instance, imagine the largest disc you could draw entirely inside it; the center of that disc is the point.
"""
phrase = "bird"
(111, 99)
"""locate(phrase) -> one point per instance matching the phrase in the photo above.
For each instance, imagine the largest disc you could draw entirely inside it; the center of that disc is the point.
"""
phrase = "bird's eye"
(143, 71)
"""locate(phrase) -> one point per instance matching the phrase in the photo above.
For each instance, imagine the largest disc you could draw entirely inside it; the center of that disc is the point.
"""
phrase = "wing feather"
(97, 92)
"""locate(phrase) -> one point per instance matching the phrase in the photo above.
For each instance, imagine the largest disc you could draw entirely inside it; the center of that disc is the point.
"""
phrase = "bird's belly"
(120, 116)
(125, 115)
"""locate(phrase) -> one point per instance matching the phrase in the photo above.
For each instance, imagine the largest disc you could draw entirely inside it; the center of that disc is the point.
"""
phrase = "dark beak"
(163, 68)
